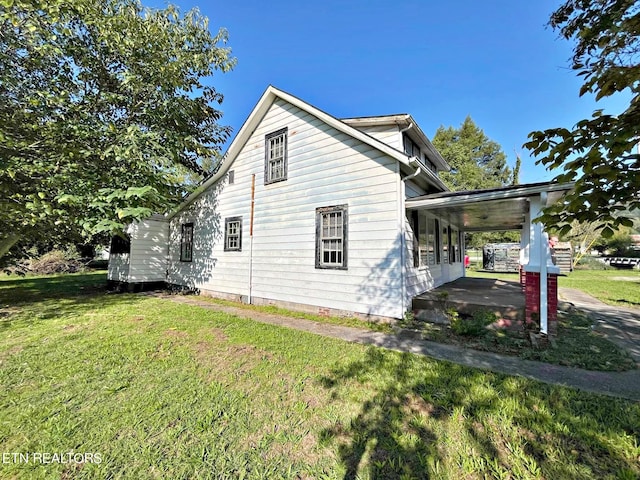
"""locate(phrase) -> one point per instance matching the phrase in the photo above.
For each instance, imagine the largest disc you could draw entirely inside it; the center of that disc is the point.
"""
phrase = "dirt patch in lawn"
(172, 333)
(10, 352)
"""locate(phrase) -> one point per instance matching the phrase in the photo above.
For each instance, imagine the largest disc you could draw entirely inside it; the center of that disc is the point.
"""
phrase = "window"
(233, 234)
(331, 237)
(275, 164)
(424, 240)
(445, 244)
(427, 239)
(120, 244)
(186, 243)
(455, 246)
(410, 147)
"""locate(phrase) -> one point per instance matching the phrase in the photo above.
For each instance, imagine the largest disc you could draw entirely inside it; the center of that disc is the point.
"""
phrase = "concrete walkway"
(618, 384)
(619, 324)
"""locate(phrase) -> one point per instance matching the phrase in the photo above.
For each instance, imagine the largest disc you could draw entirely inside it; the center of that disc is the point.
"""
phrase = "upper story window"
(186, 242)
(275, 163)
(233, 234)
(410, 147)
(331, 237)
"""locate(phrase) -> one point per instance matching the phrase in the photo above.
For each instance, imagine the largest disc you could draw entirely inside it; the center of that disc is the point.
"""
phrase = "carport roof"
(503, 208)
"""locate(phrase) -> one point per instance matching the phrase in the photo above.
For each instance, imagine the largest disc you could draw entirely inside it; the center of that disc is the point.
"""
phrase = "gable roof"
(409, 126)
(254, 119)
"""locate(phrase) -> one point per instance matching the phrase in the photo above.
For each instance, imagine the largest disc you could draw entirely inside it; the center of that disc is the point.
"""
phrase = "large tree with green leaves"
(104, 104)
(600, 153)
(476, 161)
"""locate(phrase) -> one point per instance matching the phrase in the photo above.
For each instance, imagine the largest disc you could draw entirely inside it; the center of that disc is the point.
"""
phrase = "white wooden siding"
(325, 168)
(118, 267)
(148, 255)
(389, 134)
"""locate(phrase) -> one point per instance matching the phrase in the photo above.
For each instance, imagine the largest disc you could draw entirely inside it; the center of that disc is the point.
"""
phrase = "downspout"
(401, 218)
(408, 127)
(253, 203)
(544, 250)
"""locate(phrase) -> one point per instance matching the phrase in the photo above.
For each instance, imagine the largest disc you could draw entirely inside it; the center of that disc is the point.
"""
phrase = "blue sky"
(439, 61)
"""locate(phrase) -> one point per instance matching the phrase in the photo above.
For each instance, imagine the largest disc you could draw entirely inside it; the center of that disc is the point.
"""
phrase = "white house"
(321, 214)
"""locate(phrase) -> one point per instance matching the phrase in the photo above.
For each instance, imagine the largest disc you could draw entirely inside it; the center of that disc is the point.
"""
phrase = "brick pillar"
(523, 277)
(532, 301)
(532, 298)
(552, 304)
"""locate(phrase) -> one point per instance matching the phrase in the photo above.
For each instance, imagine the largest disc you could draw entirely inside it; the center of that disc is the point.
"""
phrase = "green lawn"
(165, 390)
(615, 287)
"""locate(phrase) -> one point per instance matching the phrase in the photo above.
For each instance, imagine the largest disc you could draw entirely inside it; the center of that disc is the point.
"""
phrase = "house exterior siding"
(148, 257)
(389, 134)
(326, 168)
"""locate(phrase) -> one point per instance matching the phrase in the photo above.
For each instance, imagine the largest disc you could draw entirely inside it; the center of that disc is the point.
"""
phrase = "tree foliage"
(599, 153)
(476, 161)
(104, 104)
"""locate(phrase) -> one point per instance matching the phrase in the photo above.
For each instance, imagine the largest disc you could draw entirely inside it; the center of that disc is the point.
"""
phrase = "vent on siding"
(232, 177)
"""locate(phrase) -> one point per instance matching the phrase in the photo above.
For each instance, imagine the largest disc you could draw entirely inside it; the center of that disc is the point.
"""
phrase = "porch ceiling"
(488, 215)
(504, 208)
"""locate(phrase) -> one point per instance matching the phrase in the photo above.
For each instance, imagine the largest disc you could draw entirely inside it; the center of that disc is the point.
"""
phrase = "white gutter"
(416, 162)
(408, 127)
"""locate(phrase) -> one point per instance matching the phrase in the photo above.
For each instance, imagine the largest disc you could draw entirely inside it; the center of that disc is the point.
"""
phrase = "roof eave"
(479, 196)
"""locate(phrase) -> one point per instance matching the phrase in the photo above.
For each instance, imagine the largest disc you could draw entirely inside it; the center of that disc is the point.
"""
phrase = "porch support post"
(540, 273)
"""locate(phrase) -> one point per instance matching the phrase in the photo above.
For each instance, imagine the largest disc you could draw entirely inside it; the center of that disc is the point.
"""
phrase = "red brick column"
(552, 304)
(532, 301)
(532, 298)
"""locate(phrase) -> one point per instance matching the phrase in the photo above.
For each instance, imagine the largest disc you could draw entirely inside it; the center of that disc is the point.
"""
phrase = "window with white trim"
(331, 237)
(233, 234)
(186, 242)
(428, 241)
(446, 235)
(455, 246)
(275, 163)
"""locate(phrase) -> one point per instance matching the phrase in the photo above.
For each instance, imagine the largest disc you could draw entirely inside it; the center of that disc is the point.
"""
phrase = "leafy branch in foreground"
(104, 107)
(600, 154)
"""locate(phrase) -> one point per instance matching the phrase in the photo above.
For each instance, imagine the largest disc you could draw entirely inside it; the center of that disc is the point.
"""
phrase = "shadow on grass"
(42, 298)
(422, 418)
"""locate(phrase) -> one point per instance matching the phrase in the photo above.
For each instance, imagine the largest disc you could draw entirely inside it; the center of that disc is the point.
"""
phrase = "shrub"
(473, 326)
(56, 261)
(591, 263)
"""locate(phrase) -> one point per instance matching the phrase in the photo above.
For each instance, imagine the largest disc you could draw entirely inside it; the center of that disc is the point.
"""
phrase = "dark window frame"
(285, 156)
(186, 242)
(438, 246)
(227, 222)
(344, 210)
(120, 244)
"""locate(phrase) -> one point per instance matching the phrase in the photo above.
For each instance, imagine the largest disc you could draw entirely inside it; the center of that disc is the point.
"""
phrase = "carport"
(510, 208)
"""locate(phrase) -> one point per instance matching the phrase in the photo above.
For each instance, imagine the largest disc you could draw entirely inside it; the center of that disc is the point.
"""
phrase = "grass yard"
(615, 287)
(166, 390)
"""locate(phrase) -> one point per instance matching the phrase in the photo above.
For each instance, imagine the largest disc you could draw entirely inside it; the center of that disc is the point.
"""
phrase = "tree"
(599, 153)
(103, 106)
(515, 179)
(476, 161)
